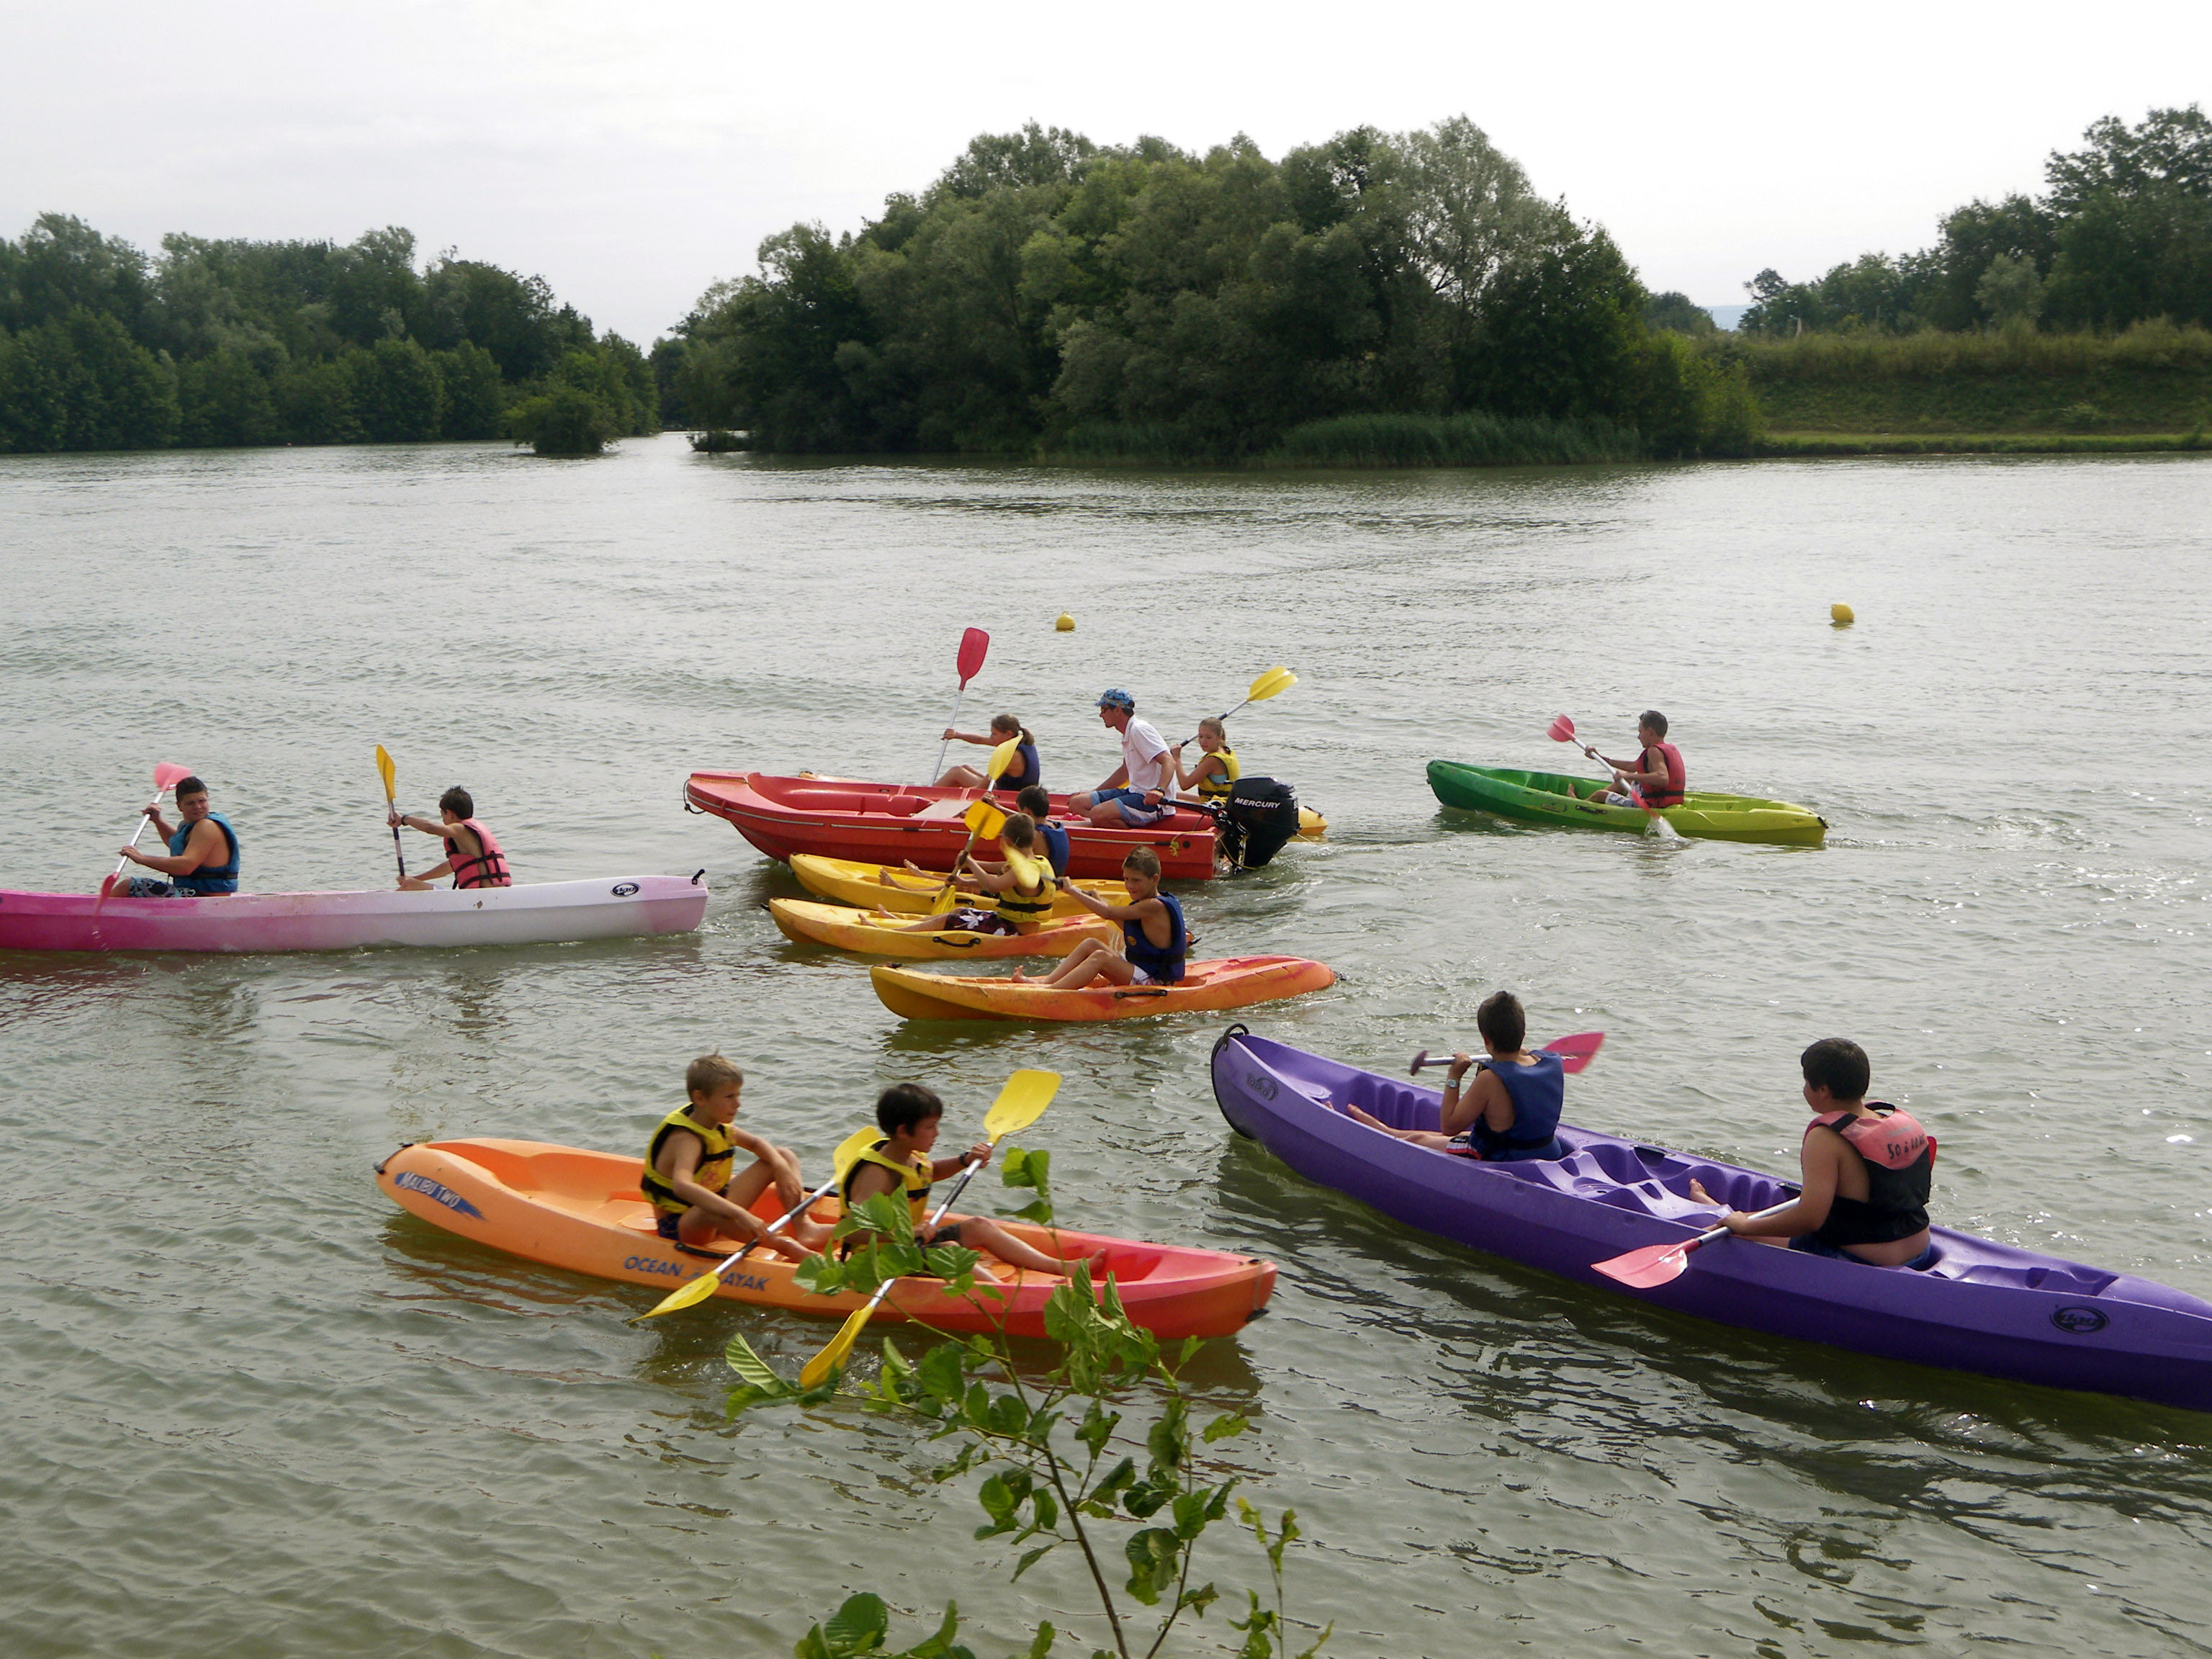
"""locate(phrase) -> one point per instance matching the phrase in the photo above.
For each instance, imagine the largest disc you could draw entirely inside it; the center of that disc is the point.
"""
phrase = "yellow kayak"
(848, 929)
(867, 885)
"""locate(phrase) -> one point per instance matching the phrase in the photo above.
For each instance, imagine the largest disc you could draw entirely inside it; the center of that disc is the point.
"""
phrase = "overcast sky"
(633, 154)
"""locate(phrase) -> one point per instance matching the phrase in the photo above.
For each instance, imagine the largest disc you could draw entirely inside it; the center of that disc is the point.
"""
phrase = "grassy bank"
(1979, 443)
(2151, 383)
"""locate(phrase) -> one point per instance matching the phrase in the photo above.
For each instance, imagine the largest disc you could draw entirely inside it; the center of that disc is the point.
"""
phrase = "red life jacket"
(1677, 779)
(1900, 1166)
(488, 869)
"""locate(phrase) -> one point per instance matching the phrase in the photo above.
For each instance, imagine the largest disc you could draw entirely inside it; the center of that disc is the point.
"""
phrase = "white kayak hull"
(541, 913)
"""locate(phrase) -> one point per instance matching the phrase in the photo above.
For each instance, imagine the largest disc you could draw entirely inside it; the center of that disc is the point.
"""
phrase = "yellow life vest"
(1035, 907)
(1216, 786)
(715, 1162)
(915, 1178)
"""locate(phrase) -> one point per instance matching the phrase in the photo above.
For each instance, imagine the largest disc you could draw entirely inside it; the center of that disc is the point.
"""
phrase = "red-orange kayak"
(1229, 982)
(892, 824)
(582, 1210)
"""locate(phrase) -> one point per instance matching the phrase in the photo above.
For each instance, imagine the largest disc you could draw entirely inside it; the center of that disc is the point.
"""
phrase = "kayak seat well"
(2065, 1280)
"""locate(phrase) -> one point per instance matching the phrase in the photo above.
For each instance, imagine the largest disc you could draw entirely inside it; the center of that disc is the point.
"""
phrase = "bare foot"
(1020, 978)
(1699, 1195)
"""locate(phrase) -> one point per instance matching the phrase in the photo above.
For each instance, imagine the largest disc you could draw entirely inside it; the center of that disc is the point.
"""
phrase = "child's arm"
(943, 1167)
(1821, 1160)
(952, 736)
(1098, 907)
(679, 1167)
(1204, 767)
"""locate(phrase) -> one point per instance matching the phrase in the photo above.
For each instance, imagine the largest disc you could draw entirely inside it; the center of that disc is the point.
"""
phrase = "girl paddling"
(1021, 771)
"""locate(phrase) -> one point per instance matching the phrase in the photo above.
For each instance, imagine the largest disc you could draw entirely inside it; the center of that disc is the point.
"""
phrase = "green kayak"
(1549, 798)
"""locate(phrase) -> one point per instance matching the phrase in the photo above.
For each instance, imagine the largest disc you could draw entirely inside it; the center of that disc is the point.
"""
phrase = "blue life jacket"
(1023, 773)
(204, 881)
(1538, 1093)
(1163, 966)
(1055, 846)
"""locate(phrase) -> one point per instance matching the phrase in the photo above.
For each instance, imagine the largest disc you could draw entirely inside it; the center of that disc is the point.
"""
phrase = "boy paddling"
(1867, 1170)
(473, 857)
(689, 1170)
(202, 856)
(1657, 774)
(909, 1116)
(1512, 1110)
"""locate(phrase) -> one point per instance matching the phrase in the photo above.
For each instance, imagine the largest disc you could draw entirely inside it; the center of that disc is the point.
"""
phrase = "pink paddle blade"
(973, 644)
(1562, 730)
(1577, 1051)
(168, 774)
(1647, 1268)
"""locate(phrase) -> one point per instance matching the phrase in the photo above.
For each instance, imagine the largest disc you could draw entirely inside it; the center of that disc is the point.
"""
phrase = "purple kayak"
(1981, 1306)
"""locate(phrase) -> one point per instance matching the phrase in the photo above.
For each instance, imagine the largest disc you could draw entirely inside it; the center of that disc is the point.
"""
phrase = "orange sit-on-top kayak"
(848, 929)
(1229, 982)
(582, 1210)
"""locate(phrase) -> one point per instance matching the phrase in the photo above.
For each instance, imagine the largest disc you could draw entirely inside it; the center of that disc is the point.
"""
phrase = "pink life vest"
(1677, 778)
(1900, 1161)
(487, 870)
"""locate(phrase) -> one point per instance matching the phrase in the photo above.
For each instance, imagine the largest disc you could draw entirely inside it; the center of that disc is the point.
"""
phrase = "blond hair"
(709, 1072)
(1019, 830)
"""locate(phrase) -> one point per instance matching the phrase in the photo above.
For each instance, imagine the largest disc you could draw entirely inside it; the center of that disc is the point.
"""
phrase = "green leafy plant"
(1062, 1458)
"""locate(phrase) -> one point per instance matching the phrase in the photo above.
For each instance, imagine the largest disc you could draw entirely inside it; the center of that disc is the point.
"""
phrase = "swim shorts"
(1813, 1244)
(1134, 812)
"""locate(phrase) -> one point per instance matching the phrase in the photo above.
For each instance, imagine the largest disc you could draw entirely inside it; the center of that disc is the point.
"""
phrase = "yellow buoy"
(1841, 616)
(1065, 624)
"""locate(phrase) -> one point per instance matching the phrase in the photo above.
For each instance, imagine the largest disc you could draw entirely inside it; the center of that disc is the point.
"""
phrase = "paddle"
(983, 819)
(1574, 1052)
(973, 644)
(1562, 731)
(1661, 1264)
(1019, 1105)
(696, 1291)
(390, 774)
(1001, 758)
(168, 774)
(1274, 683)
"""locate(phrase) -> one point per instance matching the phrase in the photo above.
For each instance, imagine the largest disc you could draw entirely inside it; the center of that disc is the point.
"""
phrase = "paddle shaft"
(1711, 1233)
(144, 820)
(777, 1225)
(957, 698)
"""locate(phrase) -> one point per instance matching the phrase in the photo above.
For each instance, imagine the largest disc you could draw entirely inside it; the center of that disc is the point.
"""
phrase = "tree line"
(1049, 295)
(213, 344)
(2122, 235)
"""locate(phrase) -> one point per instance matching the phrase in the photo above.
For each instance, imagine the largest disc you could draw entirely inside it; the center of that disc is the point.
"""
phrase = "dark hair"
(1840, 1065)
(906, 1106)
(1145, 861)
(1654, 719)
(1503, 1026)
(458, 801)
(1034, 801)
(190, 787)
(1011, 723)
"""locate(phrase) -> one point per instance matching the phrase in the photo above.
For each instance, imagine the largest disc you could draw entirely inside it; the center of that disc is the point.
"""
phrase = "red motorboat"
(891, 823)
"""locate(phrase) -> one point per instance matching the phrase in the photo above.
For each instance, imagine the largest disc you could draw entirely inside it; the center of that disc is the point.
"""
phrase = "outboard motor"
(1260, 816)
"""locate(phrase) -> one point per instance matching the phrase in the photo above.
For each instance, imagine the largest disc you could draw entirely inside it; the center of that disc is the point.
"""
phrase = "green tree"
(475, 397)
(2010, 293)
(315, 404)
(224, 402)
(396, 394)
(1680, 313)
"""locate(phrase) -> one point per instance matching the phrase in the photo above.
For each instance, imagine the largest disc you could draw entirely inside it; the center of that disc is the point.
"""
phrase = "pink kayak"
(542, 912)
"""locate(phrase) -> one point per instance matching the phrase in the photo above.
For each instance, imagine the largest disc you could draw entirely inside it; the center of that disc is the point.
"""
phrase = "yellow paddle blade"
(1276, 679)
(690, 1293)
(1001, 758)
(1024, 867)
(389, 772)
(1020, 1103)
(817, 1370)
(947, 898)
(985, 819)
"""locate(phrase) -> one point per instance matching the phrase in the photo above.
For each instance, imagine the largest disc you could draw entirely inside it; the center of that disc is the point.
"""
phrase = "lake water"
(250, 1409)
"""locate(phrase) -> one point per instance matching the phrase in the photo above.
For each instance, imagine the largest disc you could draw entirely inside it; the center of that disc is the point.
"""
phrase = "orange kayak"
(582, 1210)
(1229, 982)
(848, 929)
(844, 881)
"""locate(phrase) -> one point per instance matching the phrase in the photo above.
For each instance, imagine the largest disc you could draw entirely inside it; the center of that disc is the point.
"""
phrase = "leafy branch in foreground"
(1059, 1463)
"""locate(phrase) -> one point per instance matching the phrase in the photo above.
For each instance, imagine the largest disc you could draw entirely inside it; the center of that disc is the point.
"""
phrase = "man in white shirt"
(1137, 792)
